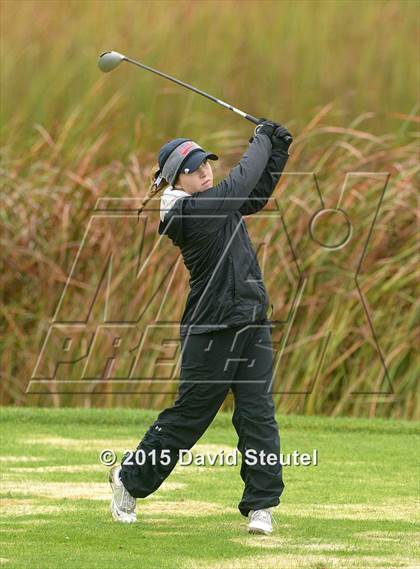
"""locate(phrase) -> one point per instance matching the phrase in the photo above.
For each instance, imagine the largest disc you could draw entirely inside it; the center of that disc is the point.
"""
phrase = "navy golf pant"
(241, 359)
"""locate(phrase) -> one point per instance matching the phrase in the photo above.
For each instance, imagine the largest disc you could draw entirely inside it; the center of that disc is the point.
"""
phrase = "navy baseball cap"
(180, 156)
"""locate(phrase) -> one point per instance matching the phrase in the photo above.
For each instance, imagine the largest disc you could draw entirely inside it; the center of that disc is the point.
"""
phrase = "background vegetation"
(342, 76)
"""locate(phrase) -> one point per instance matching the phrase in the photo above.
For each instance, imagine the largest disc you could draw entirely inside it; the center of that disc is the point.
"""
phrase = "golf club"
(109, 60)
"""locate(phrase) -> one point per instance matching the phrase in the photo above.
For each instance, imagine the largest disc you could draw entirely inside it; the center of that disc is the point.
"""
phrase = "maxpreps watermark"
(186, 457)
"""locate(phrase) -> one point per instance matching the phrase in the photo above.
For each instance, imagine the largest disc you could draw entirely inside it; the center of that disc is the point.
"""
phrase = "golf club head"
(109, 60)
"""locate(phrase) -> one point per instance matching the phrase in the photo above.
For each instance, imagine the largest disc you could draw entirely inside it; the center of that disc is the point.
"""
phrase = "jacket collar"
(169, 197)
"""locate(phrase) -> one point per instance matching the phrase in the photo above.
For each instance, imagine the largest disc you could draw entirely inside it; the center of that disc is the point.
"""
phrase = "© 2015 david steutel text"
(233, 458)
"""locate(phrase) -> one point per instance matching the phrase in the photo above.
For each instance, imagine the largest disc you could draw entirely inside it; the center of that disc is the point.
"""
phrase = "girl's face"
(198, 181)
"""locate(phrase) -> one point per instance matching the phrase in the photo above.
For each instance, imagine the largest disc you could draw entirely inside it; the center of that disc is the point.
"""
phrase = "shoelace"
(128, 502)
(262, 515)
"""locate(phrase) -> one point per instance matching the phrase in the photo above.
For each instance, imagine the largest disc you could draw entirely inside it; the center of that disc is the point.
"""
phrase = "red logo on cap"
(187, 148)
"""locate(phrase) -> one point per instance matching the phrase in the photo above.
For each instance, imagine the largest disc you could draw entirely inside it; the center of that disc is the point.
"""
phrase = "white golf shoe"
(260, 521)
(123, 505)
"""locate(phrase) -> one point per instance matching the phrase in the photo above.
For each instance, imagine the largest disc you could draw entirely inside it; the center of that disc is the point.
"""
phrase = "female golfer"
(225, 335)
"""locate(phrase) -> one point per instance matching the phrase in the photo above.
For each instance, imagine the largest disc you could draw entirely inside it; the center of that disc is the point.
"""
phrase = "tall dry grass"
(70, 135)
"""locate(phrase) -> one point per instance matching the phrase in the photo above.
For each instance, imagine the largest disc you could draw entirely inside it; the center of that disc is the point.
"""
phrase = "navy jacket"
(226, 284)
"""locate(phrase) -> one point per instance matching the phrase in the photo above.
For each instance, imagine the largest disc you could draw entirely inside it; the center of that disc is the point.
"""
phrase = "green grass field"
(357, 508)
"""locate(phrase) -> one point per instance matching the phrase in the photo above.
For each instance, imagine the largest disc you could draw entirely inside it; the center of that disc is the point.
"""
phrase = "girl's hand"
(281, 138)
(278, 133)
(266, 127)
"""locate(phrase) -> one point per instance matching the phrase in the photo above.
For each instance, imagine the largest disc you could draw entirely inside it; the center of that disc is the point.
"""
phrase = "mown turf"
(357, 508)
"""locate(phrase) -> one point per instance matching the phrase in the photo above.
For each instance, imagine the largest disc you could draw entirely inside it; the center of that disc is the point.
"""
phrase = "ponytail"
(158, 184)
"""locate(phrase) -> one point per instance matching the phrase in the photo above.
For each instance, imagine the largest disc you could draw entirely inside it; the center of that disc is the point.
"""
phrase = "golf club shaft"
(226, 105)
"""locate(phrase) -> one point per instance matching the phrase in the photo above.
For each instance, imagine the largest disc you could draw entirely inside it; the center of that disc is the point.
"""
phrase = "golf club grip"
(287, 138)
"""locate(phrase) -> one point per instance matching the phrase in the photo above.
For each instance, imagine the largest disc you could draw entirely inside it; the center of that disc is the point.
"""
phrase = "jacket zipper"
(233, 278)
